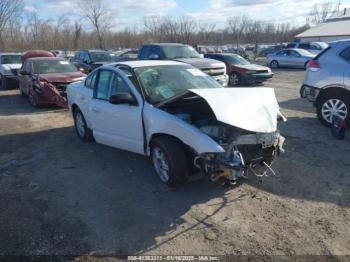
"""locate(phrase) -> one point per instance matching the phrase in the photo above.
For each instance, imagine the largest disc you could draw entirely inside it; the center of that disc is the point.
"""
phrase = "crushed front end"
(245, 153)
(50, 93)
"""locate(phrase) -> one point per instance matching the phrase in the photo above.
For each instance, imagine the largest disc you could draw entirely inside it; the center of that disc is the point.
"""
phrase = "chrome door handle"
(96, 110)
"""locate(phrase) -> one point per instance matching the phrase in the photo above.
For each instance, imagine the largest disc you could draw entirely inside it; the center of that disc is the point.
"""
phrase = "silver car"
(10, 63)
(327, 82)
(296, 58)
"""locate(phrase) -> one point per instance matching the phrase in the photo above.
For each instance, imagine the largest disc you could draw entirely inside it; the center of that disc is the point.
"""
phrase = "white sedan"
(180, 117)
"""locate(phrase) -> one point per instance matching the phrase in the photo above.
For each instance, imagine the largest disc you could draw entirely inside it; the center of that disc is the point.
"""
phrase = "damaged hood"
(252, 109)
(62, 77)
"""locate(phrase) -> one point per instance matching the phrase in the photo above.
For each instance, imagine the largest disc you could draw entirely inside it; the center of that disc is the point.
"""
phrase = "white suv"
(10, 63)
(327, 82)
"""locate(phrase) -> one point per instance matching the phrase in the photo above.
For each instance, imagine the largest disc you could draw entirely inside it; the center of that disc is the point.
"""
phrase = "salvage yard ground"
(61, 196)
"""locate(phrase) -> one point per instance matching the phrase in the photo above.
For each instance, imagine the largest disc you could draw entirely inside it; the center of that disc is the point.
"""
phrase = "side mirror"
(153, 56)
(23, 72)
(123, 98)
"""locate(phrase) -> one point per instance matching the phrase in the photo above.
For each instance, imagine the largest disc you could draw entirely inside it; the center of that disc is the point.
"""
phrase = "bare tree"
(77, 34)
(99, 17)
(237, 25)
(9, 10)
(321, 12)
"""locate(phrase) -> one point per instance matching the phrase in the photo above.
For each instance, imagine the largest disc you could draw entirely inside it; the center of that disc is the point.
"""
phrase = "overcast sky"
(129, 13)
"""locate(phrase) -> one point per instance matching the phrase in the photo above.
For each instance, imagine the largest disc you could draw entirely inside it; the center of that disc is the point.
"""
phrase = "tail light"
(313, 65)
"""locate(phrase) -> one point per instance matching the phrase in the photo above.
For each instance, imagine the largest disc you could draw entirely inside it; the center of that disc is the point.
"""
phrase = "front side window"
(10, 59)
(90, 80)
(163, 82)
(104, 81)
(346, 54)
(53, 66)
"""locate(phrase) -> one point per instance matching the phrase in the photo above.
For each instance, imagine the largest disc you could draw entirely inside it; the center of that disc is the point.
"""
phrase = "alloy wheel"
(161, 164)
(79, 122)
(334, 107)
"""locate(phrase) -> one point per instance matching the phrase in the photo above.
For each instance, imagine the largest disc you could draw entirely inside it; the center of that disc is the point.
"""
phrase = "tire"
(340, 101)
(234, 79)
(274, 64)
(81, 128)
(3, 83)
(32, 100)
(168, 152)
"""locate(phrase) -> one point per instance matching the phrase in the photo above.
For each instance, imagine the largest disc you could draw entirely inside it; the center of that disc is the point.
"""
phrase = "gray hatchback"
(327, 82)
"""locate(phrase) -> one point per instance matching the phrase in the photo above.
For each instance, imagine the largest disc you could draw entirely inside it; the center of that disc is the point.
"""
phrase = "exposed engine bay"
(245, 151)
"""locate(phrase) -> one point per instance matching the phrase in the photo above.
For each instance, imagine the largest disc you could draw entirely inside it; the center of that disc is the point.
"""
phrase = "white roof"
(143, 63)
(332, 28)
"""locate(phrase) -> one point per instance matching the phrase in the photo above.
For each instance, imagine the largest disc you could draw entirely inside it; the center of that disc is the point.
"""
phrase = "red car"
(241, 71)
(44, 78)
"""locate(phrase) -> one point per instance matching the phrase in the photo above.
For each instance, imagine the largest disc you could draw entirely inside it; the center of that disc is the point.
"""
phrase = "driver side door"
(116, 125)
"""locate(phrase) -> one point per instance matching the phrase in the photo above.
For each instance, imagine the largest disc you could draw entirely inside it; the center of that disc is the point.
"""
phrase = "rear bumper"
(309, 92)
(253, 78)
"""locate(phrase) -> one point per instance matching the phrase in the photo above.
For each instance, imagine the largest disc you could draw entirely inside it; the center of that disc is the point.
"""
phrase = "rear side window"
(346, 54)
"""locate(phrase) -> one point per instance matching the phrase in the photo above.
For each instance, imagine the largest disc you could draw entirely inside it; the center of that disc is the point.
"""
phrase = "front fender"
(160, 122)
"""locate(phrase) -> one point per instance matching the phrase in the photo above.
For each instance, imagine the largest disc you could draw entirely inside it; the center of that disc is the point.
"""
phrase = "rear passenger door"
(116, 125)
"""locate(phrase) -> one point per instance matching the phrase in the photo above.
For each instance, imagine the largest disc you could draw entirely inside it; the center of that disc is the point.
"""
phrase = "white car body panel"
(160, 122)
(252, 109)
(121, 126)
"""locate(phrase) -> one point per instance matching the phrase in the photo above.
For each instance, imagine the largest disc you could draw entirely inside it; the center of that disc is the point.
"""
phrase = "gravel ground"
(59, 196)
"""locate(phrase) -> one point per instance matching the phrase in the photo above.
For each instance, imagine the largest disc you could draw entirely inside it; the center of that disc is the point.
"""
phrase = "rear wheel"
(169, 161)
(83, 132)
(274, 64)
(333, 104)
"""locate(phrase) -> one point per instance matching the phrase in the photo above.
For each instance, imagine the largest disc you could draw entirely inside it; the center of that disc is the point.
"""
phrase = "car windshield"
(236, 60)
(181, 51)
(100, 56)
(11, 59)
(53, 66)
(163, 82)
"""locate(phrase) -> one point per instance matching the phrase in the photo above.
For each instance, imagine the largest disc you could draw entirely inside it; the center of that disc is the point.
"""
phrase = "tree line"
(22, 31)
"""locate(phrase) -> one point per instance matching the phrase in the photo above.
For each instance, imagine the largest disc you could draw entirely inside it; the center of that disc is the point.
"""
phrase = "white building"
(336, 28)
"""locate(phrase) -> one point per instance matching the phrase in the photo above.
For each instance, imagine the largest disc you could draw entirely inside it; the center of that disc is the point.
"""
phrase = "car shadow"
(11, 103)
(298, 104)
(65, 197)
(314, 165)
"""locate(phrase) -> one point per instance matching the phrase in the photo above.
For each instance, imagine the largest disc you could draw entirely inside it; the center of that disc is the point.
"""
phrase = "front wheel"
(234, 79)
(169, 161)
(83, 132)
(333, 104)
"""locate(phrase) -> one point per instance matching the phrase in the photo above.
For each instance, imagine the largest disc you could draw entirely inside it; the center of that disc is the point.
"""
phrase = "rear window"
(346, 54)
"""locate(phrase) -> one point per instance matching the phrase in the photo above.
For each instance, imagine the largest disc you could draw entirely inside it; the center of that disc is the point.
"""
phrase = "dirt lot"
(60, 196)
